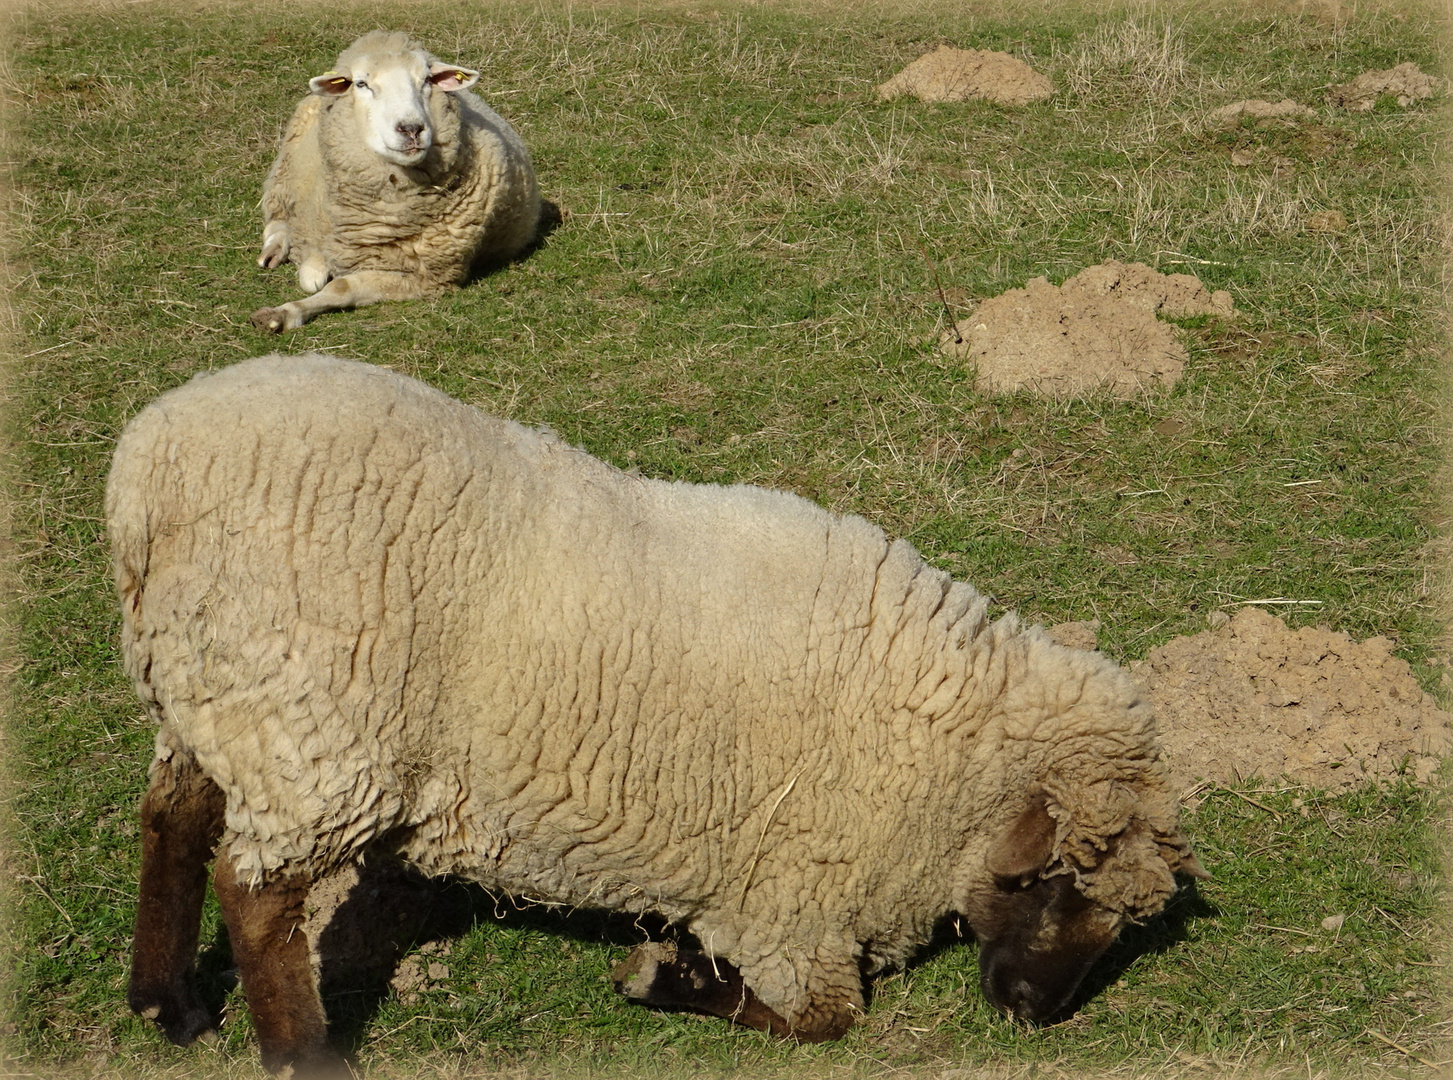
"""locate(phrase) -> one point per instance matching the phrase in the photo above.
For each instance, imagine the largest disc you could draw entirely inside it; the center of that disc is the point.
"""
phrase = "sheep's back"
(694, 687)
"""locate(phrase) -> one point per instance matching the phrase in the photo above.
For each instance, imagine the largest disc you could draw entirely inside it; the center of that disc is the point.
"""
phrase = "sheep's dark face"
(1037, 942)
(1041, 918)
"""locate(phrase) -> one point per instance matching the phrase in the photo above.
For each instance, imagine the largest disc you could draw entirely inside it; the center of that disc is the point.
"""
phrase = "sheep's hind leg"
(349, 291)
(265, 925)
(669, 978)
(181, 820)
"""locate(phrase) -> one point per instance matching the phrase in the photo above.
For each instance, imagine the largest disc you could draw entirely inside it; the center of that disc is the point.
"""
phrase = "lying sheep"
(392, 182)
(370, 617)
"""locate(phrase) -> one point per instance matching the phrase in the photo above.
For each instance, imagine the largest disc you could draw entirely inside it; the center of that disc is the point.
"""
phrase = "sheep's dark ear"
(329, 84)
(1019, 856)
(452, 77)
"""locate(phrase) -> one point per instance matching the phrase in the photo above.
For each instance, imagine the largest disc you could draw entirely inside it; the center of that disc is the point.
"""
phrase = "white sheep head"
(390, 80)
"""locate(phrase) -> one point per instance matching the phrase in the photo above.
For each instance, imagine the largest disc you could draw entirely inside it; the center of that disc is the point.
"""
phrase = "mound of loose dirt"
(1098, 330)
(1405, 84)
(949, 74)
(1254, 697)
(1227, 115)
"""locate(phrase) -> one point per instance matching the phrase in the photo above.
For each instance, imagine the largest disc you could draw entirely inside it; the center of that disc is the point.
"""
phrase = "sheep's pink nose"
(410, 131)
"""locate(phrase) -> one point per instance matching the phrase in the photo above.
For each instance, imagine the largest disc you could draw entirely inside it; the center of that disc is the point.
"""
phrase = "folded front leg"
(358, 289)
(666, 977)
(276, 243)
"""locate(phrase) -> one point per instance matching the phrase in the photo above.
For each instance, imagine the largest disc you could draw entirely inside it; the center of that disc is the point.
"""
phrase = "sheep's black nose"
(1017, 997)
(1023, 1002)
(410, 131)
(1034, 998)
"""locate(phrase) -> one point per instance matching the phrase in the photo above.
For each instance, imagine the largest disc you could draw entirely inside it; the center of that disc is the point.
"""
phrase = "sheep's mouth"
(410, 154)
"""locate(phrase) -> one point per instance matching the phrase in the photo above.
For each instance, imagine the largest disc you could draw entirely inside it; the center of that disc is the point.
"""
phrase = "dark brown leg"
(265, 925)
(181, 819)
(671, 978)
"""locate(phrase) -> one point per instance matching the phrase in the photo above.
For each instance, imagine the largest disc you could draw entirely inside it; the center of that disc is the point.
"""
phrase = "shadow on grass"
(394, 909)
(1158, 935)
(551, 218)
(215, 975)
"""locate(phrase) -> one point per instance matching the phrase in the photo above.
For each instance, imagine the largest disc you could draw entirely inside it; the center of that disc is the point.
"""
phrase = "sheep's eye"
(1011, 883)
(360, 84)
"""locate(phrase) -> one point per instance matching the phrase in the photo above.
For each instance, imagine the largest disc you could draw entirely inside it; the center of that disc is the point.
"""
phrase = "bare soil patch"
(1100, 330)
(1327, 221)
(1253, 697)
(1257, 109)
(949, 74)
(1405, 84)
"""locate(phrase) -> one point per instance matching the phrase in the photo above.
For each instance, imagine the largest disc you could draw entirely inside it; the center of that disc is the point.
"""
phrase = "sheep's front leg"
(349, 291)
(276, 243)
(181, 820)
(669, 978)
(265, 925)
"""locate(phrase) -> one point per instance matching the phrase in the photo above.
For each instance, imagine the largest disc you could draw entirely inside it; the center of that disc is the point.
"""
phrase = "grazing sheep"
(370, 617)
(392, 182)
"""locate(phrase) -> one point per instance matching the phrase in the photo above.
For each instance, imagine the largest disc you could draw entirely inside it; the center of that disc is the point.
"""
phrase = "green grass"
(739, 293)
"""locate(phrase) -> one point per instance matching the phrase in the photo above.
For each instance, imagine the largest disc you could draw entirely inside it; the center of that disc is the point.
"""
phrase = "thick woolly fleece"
(473, 200)
(376, 614)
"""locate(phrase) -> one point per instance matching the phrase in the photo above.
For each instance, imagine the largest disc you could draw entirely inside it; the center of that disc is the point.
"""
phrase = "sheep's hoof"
(182, 1017)
(320, 1066)
(634, 977)
(275, 244)
(273, 320)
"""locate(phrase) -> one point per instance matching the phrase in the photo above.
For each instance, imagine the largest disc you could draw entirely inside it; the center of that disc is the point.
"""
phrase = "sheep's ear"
(1192, 865)
(329, 84)
(1182, 860)
(452, 77)
(1022, 853)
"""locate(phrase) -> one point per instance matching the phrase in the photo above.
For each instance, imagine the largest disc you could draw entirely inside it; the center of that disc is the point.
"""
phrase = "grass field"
(739, 292)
